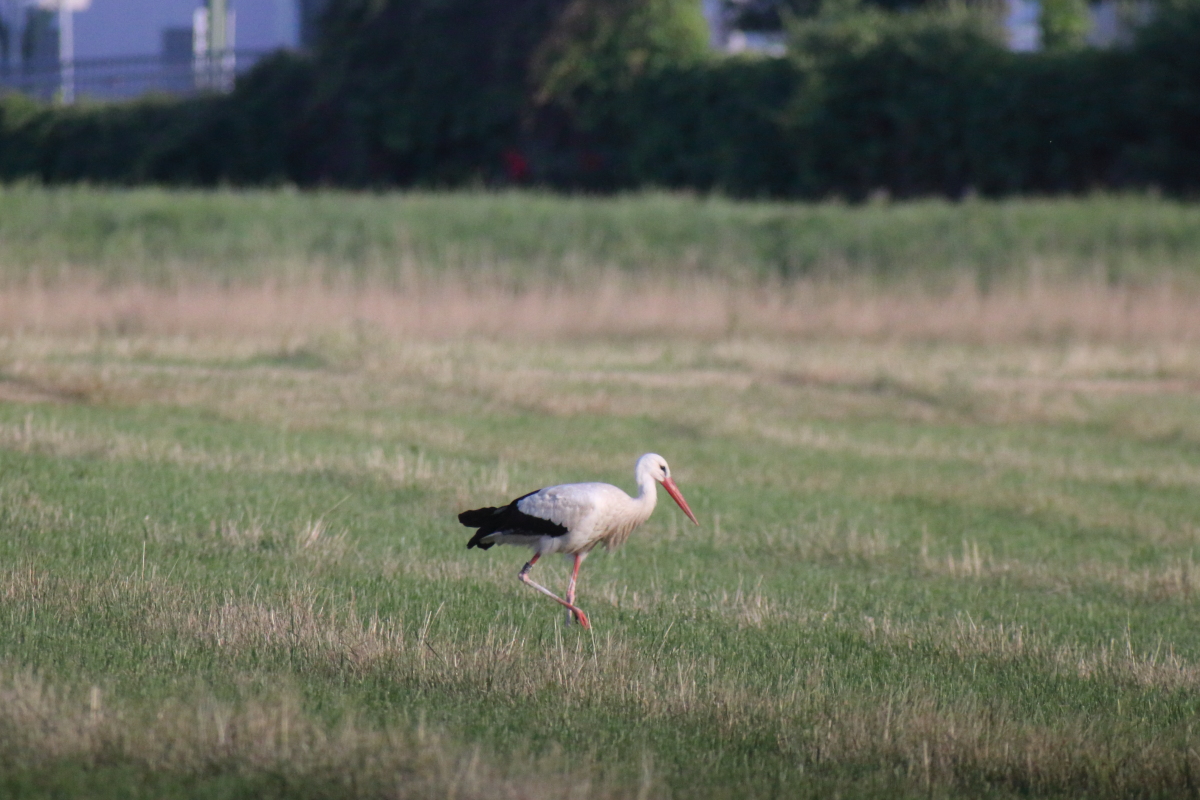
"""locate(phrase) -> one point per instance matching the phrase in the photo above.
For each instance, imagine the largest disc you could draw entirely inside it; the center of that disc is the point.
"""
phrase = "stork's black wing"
(507, 519)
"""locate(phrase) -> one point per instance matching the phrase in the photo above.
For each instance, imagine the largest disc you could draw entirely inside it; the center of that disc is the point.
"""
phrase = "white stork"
(573, 518)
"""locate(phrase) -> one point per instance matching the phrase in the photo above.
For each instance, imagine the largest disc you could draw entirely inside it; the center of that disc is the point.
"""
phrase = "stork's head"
(655, 466)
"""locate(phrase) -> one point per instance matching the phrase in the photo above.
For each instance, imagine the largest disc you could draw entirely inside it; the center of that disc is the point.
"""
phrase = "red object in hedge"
(516, 166)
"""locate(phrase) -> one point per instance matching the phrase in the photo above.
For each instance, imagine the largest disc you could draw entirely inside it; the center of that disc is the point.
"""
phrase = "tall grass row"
(164, 238)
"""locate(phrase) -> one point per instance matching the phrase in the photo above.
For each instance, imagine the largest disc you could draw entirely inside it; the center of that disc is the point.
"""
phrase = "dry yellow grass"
(615, 305)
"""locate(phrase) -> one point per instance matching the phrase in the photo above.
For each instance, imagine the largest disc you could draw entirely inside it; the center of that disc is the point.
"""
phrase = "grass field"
(933, 561)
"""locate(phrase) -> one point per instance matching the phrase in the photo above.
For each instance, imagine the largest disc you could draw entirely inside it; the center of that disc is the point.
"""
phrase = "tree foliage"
(600, 47)
(1063, 23)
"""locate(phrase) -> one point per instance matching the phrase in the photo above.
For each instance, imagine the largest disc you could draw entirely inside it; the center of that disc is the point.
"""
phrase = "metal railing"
(132, 76)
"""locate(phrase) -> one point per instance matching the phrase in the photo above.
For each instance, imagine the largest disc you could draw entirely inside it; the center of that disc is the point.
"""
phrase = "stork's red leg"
(571, 586)
(525, 579)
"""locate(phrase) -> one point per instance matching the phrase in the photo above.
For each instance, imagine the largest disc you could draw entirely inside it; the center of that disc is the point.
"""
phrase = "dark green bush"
(423, 91)
(894, 102)
(708, 126)
(930, 103)
(255, 135)
(1163, 93)
(251, 136)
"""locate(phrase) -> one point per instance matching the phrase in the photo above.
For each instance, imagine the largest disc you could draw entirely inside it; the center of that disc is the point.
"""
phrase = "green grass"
(228, 573)
(165, 238)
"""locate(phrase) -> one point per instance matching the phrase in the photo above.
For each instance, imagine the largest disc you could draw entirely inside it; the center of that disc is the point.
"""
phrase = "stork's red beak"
(673, 490)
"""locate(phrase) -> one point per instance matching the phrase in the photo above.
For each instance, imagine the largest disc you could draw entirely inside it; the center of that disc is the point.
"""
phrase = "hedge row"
(916, 104)
(930, 105)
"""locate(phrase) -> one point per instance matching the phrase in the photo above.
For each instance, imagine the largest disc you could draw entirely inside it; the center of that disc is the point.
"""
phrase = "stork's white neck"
(647, 496)
(627, 514)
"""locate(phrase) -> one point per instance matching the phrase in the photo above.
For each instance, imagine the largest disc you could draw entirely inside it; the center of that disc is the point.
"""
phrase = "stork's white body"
(573, 518)
(592, 513)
